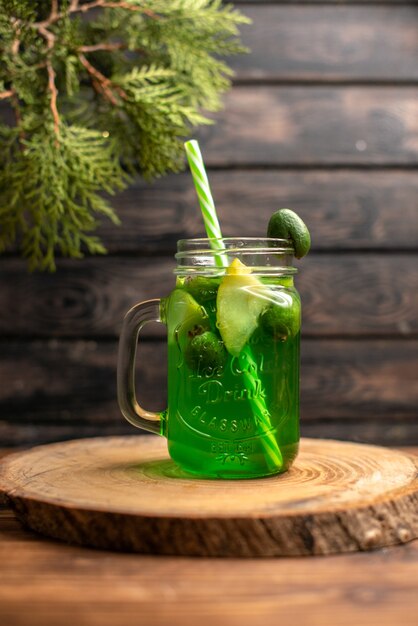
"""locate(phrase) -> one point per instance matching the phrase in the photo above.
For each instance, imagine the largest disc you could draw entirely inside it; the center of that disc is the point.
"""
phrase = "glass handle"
(135, 320)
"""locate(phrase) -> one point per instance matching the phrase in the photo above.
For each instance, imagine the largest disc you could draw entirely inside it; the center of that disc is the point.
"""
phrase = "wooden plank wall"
(323, 118)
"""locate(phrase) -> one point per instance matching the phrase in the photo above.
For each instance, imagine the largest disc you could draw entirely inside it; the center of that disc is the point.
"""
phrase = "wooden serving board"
(124, 493)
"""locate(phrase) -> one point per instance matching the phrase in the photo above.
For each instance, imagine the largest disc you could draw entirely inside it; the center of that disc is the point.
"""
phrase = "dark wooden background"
(323, 118)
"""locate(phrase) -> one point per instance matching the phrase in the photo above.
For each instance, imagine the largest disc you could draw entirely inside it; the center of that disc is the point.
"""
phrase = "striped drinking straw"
(207, 205)
(213, 231)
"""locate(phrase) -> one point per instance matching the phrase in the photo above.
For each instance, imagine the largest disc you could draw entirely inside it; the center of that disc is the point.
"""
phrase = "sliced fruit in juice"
(240, 301)
(188, 318)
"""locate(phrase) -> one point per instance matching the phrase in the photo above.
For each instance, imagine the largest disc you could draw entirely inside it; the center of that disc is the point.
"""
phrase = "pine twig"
(129, 7)
(16, 25)
(74, 7)
(102, 46)
(54, 94)
(15, 46)
(50, 39)
(48, 36)
(54, 9)
(6, 94)
(105, 85)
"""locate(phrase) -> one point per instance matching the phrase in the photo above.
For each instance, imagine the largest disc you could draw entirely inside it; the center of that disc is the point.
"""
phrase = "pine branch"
(96, 98)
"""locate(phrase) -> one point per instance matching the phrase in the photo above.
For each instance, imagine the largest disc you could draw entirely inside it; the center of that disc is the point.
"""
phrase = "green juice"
(232, 415)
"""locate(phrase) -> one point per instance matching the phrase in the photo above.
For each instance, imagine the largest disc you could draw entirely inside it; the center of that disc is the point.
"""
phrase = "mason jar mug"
(233, 330)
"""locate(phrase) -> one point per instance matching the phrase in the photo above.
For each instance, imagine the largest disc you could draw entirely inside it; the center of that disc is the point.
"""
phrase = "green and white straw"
(207, 205)
(213, 231)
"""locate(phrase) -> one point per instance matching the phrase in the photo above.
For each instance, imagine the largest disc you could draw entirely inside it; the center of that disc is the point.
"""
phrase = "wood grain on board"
(337, 497)
(345, 209)
(307, 126)
(361, 390)
(328, 42)
(354, 294)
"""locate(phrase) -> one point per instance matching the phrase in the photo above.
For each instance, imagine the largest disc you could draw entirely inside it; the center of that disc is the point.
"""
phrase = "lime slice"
(240, 301)
(286, 224)
(186, 317)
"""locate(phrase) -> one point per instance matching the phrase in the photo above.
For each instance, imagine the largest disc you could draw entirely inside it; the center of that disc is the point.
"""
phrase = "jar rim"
(265, 255)
(269, 243)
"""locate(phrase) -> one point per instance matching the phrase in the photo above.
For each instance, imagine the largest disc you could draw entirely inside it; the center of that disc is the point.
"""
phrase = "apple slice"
(240, 301)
